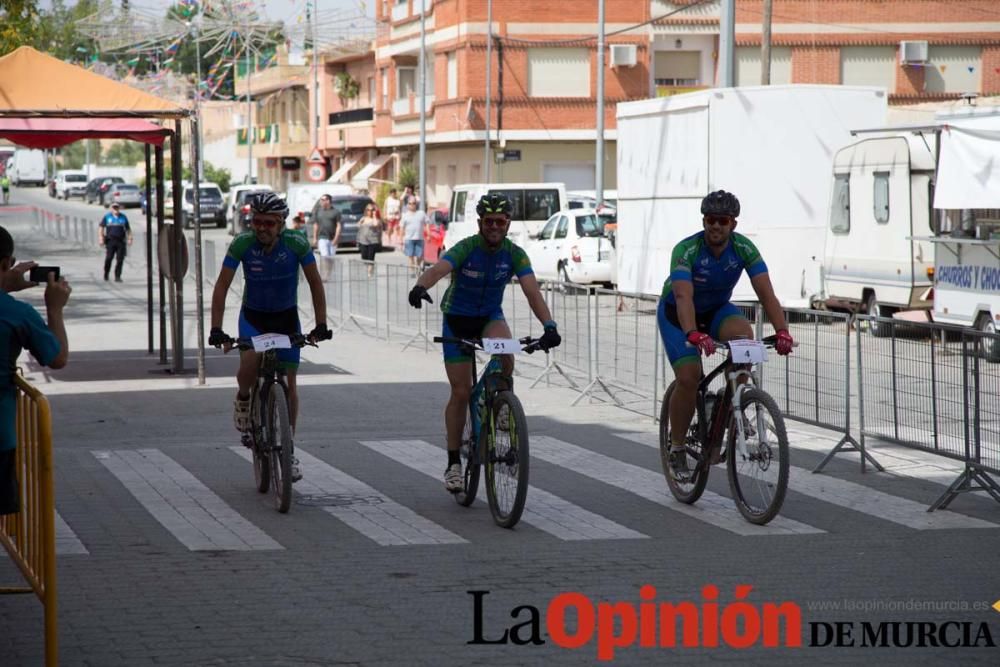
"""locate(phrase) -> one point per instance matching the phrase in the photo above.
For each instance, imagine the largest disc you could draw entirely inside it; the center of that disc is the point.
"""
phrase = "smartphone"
(40, 274)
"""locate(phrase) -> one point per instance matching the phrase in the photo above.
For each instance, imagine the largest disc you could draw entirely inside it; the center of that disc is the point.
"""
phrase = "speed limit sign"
(316, 172)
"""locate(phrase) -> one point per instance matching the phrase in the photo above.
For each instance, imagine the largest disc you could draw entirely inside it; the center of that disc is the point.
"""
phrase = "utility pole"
(765, 46)
(246, 58)
(315, 80)
(599, 158)
(727, 39)
(422, 161)
(489, 84)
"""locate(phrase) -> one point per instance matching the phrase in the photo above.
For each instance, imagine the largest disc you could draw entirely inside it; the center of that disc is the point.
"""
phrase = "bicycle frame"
(711, 433)
(494, 367)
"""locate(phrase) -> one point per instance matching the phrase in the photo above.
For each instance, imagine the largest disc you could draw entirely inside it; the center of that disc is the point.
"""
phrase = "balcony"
(351, 116)
(275, 140)
(410, 105)
(401, 11)
(271, 79)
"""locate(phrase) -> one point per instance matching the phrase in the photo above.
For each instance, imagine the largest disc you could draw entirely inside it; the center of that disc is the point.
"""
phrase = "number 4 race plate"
(271, 341)
(502, 346)
(747, 351)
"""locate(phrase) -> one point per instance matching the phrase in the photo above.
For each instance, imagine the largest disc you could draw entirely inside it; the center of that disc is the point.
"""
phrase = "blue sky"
(283, 10)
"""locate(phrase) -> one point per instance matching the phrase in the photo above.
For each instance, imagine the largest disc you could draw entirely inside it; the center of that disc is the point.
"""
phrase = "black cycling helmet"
(494, 202)
(268, 202)
(720, 202)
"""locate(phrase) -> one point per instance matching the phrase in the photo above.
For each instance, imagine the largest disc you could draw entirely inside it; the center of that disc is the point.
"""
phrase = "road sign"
(316, 172)
(315, 157)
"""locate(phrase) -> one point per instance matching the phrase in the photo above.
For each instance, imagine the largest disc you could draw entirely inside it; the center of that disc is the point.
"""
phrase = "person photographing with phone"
(115, 234)
(22, 327)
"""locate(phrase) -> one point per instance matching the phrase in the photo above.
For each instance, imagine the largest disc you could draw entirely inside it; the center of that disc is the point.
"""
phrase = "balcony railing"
(410, 105)
(274, 133)
(351, 116)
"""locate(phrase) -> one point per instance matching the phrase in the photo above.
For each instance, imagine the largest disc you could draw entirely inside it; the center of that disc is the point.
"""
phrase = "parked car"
(239, 217)
(572, 247)
(352, 209)
(235, 200)
(126, 195)
(70, 183)
(302, 197)
(212, 206)
(97, 187)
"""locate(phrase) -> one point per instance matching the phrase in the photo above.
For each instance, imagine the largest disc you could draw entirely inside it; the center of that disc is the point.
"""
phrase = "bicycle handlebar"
(530, 344)
(297, 340)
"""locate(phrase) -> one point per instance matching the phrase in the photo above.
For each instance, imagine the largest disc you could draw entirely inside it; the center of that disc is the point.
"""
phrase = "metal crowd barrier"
(29, 535)
(936, 388)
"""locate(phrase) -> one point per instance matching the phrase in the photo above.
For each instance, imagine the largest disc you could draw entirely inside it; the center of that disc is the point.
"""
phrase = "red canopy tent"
(57, 132)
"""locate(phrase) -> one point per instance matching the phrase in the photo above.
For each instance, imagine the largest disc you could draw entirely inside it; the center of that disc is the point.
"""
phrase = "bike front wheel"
(689, 491)
(261, 459)
(758, 472)
(279, 440)
(506, 459)
(470, 461)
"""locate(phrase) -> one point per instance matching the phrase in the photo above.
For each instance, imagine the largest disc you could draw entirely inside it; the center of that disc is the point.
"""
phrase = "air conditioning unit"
(913, 52)
(623, 55)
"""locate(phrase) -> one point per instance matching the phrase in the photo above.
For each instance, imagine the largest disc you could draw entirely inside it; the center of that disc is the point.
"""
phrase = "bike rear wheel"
(758, 477)
(279, 440)
(690, 491)
(506, 459)
(470, 454)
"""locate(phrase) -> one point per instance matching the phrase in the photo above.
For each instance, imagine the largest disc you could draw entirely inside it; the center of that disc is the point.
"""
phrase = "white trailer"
(27, 167)
(875, 260)
(772, 146)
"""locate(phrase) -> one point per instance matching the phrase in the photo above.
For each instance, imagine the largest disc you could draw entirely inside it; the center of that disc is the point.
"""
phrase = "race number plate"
(271, 341)
(502, 346)
(747, 351)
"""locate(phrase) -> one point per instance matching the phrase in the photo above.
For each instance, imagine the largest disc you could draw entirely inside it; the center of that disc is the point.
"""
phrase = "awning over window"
(340, 176)
(360, 180)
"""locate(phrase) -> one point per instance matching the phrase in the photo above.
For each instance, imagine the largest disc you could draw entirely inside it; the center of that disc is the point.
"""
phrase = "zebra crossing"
(199, 519)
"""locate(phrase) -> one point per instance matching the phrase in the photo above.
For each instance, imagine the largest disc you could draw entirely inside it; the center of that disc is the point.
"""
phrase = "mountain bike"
(270, 434)
(496, 432)
(739, 425)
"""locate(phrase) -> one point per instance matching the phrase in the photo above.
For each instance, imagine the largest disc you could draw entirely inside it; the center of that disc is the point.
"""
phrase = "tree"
(20, 24)
(125, 153)
(73, 156)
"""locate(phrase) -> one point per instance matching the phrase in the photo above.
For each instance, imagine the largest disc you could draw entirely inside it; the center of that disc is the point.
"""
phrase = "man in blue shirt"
(22, 327)
(114, 233)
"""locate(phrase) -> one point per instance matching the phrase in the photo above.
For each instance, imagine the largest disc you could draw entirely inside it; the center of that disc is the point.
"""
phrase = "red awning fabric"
(56, 132)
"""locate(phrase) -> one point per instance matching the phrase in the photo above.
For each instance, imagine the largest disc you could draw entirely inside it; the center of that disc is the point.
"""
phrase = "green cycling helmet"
(494, 202)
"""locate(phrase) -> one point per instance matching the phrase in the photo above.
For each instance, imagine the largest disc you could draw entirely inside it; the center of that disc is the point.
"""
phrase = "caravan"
(877, 259)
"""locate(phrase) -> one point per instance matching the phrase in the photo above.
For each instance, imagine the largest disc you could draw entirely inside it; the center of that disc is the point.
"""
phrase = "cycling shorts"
(254, 322)
(462, 326)
(679, 351)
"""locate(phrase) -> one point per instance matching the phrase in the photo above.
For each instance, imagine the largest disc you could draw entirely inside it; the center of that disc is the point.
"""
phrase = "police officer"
(114, 234)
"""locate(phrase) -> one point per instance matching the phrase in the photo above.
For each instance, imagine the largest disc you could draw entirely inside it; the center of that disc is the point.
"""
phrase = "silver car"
(125, 194)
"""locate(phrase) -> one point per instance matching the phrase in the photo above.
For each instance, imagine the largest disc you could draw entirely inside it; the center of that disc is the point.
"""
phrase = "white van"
(534, 204)
(70, 183)
(302, 197)
(27, 167)
(874, 259)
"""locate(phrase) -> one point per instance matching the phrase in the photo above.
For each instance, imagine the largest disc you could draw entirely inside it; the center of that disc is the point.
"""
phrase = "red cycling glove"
(702, 341)
(783, 342)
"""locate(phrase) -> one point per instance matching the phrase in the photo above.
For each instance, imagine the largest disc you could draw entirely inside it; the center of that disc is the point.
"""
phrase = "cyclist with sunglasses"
(480, 267)
(694, 308)
(271, 256)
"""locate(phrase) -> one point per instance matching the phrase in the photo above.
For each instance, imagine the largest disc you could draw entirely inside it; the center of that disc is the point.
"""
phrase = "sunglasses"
(265, 222)
(720, 221)
(493, 222)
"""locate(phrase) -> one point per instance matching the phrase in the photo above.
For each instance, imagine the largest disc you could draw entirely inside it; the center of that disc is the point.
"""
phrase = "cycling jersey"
(713, 278)
(271, 278)
(479, 276)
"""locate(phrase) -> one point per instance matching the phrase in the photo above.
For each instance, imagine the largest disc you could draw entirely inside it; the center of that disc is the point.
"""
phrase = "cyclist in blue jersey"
(480, 267)
(271, 256)
(694, 309)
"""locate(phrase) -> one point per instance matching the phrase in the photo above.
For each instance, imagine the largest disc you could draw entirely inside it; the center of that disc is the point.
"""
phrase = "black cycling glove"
(417, 294)
(217, 337)
(321, 332)
(550, 338)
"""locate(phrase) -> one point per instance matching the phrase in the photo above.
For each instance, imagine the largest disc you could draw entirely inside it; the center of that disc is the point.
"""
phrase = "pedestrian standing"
(413, 223)
(393, 209)
(115, 234)
(326, 232)
(369, 236)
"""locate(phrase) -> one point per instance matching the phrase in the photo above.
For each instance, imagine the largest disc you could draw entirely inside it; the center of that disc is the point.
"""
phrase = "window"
(458, 205)
(677, 68)
(558, 72)
(840, 207)
(475, 171)
(540, 204)
(546, 232)
(881, 197)
(953, 69)
(452, 91)
(406, 81)
(589, 226)
(563, 225)
(868, 66)
(517, 200)
(748, 65)
(371, 91)
(385, 89)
